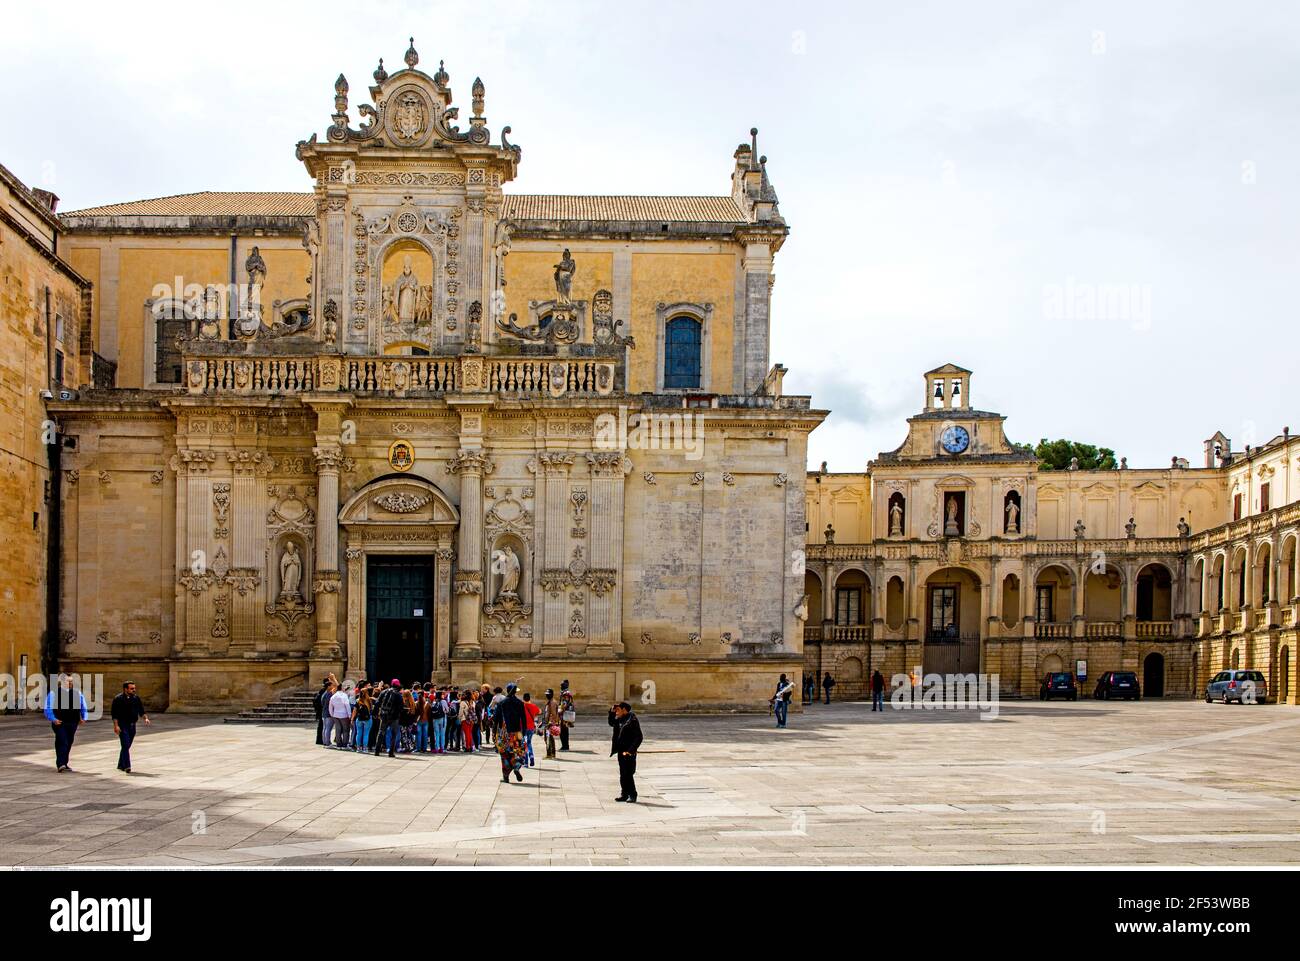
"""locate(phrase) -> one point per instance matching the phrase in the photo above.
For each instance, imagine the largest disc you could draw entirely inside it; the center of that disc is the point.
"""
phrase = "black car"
(1058, 684)
(1115, 684)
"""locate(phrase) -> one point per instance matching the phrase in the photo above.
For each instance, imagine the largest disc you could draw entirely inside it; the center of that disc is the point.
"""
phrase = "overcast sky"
(1091, 205)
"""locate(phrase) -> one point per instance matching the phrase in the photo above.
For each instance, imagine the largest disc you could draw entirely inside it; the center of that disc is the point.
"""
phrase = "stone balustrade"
(404, 376)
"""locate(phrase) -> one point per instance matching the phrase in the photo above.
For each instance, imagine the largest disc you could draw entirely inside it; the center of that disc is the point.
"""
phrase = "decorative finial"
(441, 77)
(341, 96)
(412, 58)
(381, 74)
(477, 92)
(753, 149)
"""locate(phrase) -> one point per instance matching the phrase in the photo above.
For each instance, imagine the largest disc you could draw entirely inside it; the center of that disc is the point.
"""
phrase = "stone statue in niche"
(896, 520)
(507, 563)
(1013, 518)
(406, 293)
(951, 527)
(564, 272)
(290, 574)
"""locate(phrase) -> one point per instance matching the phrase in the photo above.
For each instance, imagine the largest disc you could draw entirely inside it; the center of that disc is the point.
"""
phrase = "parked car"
(1114, 684)
(1058, 684)
(1244, 687)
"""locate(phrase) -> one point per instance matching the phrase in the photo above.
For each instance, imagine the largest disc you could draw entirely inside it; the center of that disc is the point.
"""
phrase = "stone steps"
(292, 707)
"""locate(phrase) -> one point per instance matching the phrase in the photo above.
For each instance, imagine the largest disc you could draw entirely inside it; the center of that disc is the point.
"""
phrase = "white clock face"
(955, 439)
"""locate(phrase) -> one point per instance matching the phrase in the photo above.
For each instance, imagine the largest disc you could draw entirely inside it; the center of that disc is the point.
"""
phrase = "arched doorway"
(952, 621)
(399, 532)
(1153, 675)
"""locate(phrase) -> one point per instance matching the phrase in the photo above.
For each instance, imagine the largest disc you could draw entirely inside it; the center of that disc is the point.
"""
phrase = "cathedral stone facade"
(409, 424)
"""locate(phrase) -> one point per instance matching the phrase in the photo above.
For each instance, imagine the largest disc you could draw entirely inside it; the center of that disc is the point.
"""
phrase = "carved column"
(247, 513)
(356, 601)
(471, 465)
(325, 583)
(553, 471)
(604, 628)
(442, 610)
(333, 213)
(196, 559)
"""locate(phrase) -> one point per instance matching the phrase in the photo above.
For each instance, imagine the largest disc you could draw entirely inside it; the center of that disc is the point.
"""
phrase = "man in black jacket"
(127, 709)
(625, 743)
(318, 704)
(389, 710)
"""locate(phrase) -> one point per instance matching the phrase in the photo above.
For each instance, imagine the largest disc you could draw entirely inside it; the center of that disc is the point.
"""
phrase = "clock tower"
(950, 429)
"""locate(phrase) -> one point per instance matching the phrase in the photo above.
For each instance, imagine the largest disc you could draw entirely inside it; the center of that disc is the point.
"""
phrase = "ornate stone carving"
(576, 627)
(604, 328)
(578, 501)
(243, 579)
(781, 480)
(468, 582)
(220, 607)
(250, 462)
(470, 461)
(193, 461)
(402, 502)
(156, 478)
(221, 503)
(601, 580)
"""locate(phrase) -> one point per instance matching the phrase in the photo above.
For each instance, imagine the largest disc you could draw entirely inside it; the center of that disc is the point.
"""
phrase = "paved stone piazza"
(1156, 782)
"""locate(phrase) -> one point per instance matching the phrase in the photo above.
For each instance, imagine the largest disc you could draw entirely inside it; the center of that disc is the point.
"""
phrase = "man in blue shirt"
(65, 709)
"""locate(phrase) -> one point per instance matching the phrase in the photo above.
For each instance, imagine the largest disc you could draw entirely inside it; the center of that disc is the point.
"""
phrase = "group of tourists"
(397, 718)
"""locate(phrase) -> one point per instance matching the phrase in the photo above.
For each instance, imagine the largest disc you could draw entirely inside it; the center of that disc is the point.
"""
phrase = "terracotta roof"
(211, 203)
(622, 208)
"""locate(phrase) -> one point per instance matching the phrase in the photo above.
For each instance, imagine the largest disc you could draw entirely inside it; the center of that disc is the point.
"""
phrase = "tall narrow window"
(848, 606)
(1236, 507)
(1045, 604)
(1263, 497)
(682, 353)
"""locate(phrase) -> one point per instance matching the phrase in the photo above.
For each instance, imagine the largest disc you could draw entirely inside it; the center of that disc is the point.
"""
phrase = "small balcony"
(1157, 630)
(1051, 630)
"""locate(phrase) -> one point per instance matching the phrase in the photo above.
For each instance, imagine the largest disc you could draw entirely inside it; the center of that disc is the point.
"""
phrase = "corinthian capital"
(470, 462)
(551, 463)
(328, 459)
(608, 463)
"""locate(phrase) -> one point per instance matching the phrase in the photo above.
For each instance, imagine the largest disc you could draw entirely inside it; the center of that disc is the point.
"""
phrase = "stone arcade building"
(391, 427)
(956, 552)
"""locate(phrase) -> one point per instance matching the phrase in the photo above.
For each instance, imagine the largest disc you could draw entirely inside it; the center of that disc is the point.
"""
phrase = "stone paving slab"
(1152, 782)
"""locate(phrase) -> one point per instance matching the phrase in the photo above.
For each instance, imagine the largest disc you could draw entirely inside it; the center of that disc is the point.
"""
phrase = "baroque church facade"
(409, 424)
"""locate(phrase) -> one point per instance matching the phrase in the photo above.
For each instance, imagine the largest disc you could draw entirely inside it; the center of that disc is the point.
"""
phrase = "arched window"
(682, 353)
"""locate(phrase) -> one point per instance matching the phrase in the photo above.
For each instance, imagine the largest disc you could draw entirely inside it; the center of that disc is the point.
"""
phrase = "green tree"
(1057, 455)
